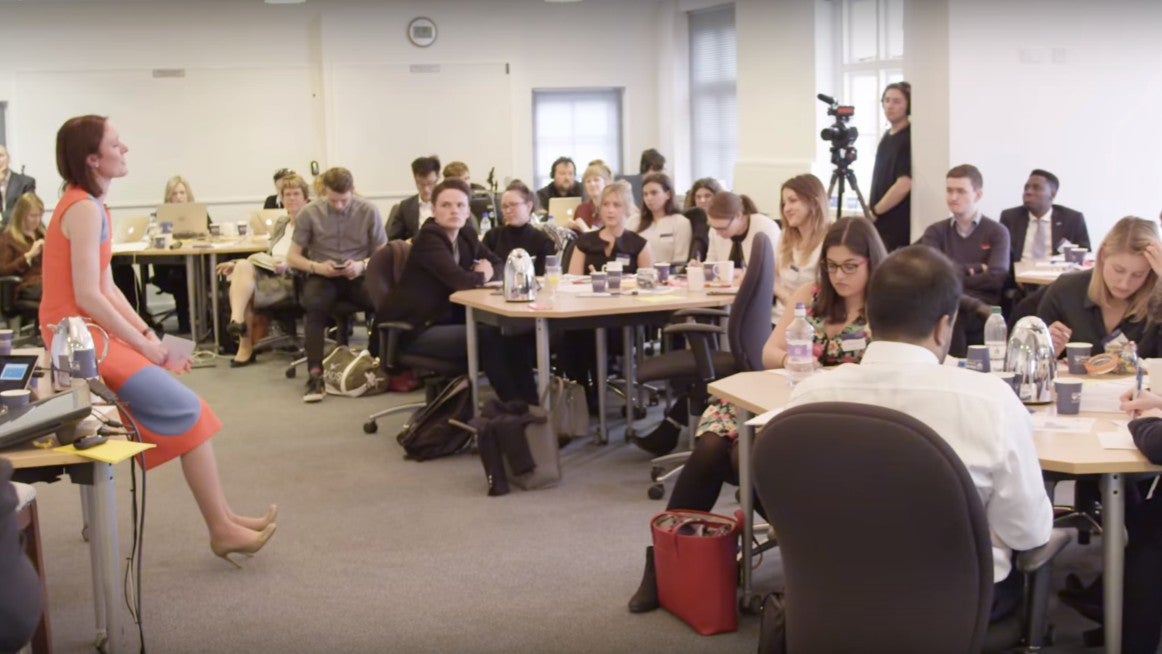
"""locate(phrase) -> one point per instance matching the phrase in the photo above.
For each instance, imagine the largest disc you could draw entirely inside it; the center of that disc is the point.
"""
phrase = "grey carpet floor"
(374, 553)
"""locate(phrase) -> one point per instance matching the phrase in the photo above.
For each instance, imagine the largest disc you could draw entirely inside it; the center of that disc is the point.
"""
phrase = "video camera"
(840, 134)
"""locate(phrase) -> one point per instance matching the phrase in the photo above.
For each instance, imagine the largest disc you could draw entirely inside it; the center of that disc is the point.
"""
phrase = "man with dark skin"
(1038, 227)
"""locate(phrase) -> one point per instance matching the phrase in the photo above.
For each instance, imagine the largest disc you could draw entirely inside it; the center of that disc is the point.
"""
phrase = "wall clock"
(422, 32)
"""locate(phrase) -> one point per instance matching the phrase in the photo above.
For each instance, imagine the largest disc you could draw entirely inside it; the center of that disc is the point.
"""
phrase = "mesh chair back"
(884, 540)
(749, 326)
(384, 271)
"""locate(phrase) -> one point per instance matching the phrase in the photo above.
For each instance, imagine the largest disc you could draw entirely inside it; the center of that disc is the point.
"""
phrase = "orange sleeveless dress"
(165, 412)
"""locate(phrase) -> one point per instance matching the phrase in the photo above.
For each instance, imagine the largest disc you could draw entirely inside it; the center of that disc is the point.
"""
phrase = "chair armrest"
(1032, 560)
(693, 328)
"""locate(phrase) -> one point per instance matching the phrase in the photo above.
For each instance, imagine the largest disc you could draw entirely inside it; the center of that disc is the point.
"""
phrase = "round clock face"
(422, 32)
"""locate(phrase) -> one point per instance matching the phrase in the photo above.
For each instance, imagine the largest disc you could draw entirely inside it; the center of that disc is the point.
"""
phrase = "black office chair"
(689, 371)
(884, 540)
(21, 315)
(383, 272)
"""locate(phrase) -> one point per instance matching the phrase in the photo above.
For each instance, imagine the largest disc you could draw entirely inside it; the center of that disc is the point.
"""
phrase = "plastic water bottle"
(485, 223)
(800, 350)
(996, 338)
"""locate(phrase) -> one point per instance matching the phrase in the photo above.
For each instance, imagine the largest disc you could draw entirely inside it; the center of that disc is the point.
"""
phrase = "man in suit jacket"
(12, 185)
(405, 218)
(1038, 210)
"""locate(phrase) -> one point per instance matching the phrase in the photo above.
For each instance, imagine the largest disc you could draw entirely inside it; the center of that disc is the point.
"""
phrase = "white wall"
(1070, 86)
(595, 43)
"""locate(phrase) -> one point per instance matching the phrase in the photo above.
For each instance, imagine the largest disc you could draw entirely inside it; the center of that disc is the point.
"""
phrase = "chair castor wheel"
(752, 605)
(656, 492)
(656, 471)
(370, 427)
(290, 373)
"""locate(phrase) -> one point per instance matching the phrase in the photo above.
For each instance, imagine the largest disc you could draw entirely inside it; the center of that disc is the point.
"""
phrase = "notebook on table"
(189, 219)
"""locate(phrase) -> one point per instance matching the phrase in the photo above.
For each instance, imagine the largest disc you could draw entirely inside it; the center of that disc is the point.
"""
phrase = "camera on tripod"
(840, 134)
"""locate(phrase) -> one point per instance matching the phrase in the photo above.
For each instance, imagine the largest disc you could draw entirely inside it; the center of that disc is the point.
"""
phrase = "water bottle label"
(798, 350)
(997, 350)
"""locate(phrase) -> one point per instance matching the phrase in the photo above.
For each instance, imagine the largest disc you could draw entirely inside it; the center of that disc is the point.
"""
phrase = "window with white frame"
(582, 124)
(713, 93)
(871, 57)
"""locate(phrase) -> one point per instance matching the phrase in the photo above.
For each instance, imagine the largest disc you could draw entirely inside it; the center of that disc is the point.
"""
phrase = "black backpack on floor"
(440, 428)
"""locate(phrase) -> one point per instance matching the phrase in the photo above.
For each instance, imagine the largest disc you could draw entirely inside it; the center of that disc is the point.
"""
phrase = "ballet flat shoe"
(248, 549)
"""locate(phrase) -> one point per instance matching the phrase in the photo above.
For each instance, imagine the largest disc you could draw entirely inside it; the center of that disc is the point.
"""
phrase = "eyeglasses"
(848, 267)
(505, 206)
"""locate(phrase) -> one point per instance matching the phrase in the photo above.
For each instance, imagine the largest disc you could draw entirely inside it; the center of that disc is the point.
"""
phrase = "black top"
(1067, 300)
(1147, 434)
(503, 240)
(432, 274)
(550, 191)
(699, 232)
(591, 245)
(893, 161)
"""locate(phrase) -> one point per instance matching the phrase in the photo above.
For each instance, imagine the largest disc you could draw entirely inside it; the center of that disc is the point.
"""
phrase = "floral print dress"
(847, 346)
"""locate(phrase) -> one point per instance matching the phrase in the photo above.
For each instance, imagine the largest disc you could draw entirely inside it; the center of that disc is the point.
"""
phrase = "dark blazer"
(20, 598)
(18, 185)
(1067, 301)
(272, 202)
(432, 274)
(404, 220)
(1064, 223)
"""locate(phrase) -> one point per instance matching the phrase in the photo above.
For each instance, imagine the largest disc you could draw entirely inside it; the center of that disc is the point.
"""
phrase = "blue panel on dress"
(160, 402)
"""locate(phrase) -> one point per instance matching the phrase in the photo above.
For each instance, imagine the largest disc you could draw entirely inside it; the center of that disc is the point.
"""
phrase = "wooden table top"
(1076, 454)
(575, 305)
(1040, 274)
(233, 246)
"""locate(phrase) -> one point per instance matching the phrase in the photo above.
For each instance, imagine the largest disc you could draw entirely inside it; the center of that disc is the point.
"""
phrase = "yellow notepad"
(111, 451)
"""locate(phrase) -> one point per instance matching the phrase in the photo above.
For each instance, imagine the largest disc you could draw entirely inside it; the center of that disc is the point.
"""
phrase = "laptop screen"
(16, 371)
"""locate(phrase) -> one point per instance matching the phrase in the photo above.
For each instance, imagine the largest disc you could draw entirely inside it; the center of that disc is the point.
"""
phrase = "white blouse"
(789, 276)
(669, 238)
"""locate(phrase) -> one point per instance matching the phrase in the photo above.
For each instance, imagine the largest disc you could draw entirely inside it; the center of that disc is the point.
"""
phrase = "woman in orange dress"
(78, 282)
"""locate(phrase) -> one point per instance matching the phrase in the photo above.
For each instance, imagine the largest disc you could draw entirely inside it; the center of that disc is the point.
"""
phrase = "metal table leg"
(544, 373)
(214, 299)
(627, 334)
(103, 552)
(473, 361)
(745, 500)
(1113, 545)
(191, 287)
(602, 372)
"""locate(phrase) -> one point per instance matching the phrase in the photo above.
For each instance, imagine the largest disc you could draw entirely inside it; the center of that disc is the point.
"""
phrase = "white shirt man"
(977, 414)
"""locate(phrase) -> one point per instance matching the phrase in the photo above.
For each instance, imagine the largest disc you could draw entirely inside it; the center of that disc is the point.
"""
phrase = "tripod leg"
(850, 174)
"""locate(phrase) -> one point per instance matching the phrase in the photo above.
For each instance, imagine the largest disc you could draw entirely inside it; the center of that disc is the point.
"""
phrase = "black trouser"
(319, 297)
(1142, 599)
(507, 360)
(578, 353)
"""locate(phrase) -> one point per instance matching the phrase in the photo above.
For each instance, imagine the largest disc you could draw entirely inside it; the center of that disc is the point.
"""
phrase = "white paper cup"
(724, 271)
(1154, 370)
(15, 398)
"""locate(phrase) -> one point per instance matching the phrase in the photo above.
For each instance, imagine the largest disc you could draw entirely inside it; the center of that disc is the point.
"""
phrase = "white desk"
(758, 392)
(573, 311)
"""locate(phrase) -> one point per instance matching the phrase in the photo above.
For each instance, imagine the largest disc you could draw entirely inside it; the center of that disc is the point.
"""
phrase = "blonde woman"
(803, 203)
(1109, 303)
(21, 245)
(245, 273)
(597, 248)
(596, 177)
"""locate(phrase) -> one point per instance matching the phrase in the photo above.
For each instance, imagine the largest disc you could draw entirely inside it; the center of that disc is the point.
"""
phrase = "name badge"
(854, 344)
(670, 235)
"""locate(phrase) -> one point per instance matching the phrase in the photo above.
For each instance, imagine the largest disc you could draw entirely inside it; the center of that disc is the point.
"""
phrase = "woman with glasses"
(835, 308)
(517, 206)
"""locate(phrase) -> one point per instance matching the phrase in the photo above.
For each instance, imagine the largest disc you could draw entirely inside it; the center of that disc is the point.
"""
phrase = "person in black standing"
(891, 188)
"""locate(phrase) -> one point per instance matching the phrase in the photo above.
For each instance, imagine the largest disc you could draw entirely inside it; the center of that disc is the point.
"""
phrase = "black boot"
(646, 597)
(664, 438)
(493, 462)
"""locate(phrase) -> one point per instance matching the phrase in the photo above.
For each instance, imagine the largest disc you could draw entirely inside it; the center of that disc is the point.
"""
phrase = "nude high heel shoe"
(248, 549)
(268, 517)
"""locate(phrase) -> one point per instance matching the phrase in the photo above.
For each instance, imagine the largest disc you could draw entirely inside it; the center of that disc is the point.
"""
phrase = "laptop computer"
(263, 220)
(189, 219)
(562, 209)
(130, 229)
(16, 371)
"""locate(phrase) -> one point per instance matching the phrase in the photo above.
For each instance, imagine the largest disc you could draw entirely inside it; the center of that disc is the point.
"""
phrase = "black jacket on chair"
(432, 275)
(1064, 223)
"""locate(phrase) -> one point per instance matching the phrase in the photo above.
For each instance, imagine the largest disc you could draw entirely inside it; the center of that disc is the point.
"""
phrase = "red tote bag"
(694, 557)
